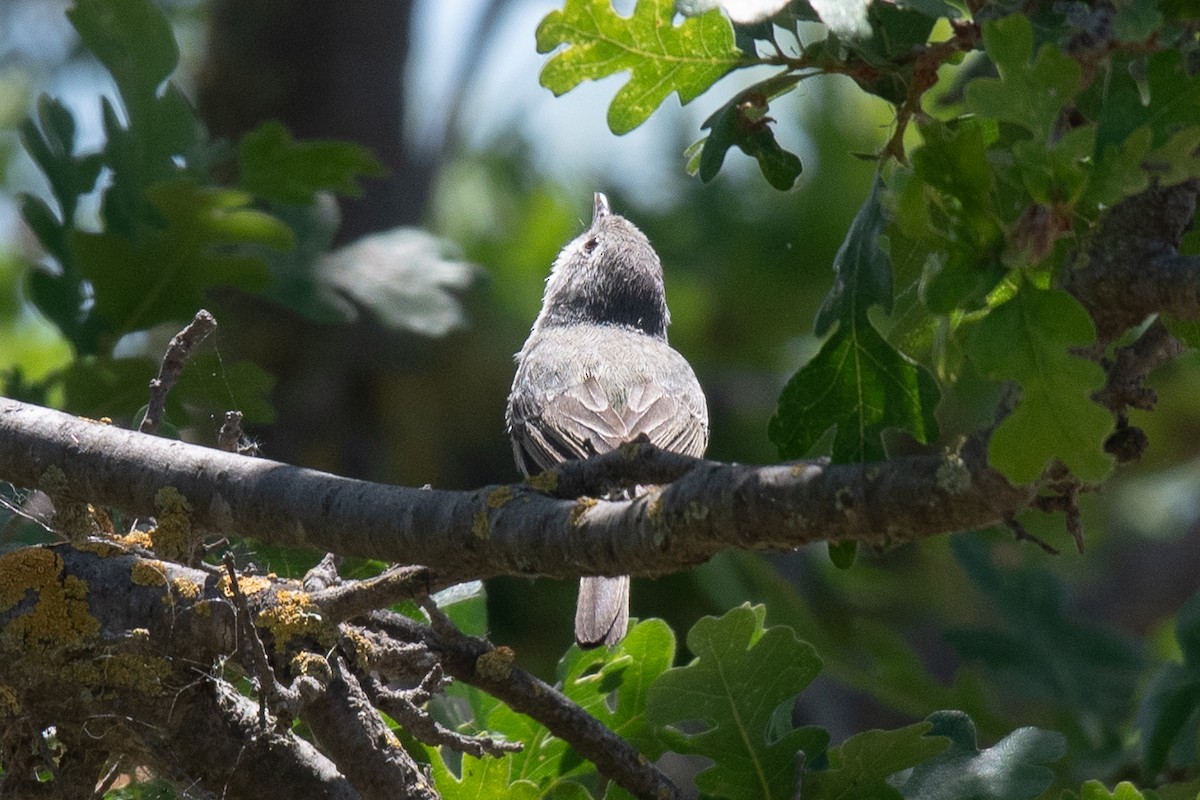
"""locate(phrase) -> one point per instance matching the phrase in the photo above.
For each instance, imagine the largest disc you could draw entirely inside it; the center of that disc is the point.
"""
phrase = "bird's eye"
(590, 244)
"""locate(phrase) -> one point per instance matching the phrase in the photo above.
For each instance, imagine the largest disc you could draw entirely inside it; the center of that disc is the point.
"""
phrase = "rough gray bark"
(515, 530)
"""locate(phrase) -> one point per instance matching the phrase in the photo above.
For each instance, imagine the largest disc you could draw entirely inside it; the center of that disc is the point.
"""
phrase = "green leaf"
(860, 768)
(1039, 650)
(1169, 716)
(661, 57)
(613, 688)
(106, 387)
(1030, 92)
(275, 166)
(611, 685)
(1137, 20)
(1095, 790)
(1186, 331)
(1171, 101)
(485, 777)
(1011, 770)
(862, 271)
(51, 143)
(131, 38)
(842, 554)
(860, 384)
(743, 122)
(1028, 340)
(740, 676)
(162, 273)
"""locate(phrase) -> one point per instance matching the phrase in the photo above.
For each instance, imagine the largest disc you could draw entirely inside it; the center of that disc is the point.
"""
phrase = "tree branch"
(1130, 266)
(515, 529)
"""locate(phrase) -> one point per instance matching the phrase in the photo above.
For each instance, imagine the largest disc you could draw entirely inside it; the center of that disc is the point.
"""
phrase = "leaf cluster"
(733, 706)
(179, 215)
(1051, 119)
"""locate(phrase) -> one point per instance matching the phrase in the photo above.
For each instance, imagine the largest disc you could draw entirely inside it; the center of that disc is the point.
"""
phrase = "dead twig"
(174, 360)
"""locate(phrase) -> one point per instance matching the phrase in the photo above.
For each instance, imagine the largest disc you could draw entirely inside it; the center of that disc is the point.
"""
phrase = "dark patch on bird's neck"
(635, 302)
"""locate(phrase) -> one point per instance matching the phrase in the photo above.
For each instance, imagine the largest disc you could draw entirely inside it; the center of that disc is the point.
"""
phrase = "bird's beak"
(599, 207)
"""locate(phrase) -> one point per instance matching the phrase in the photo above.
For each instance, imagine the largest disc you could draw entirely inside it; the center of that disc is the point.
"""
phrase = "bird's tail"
(602, 611)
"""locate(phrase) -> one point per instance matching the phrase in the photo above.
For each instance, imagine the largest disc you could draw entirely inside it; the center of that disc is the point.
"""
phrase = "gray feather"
(596, 372)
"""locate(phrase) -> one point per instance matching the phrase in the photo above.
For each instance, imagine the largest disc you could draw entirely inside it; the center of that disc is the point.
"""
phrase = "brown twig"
(404, 706)
(229, 437)
(355, 598)
(1022, 534)
(478, 662)
(174, 360)
(361, 744)
(284, 701)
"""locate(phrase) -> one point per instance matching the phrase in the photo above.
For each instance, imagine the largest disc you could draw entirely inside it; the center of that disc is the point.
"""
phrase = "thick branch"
(512, 530)
(127, 652)
(1131, 266)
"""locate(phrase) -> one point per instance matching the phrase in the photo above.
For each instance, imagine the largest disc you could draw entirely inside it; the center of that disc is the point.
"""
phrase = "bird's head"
(608, 275)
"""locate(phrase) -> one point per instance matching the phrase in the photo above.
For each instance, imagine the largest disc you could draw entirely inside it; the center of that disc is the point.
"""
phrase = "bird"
(596, 372)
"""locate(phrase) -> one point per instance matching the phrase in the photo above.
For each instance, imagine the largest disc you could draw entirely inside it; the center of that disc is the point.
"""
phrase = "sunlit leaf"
(660, 56)
(1028, 340)
(1030, 92)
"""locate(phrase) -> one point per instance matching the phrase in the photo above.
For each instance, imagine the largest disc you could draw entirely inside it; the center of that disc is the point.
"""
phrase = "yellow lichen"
(580, 508)
(307, 664)
(10, 704)
(101, 548)
(294, 615)
(72, 519)
(480, 526)
(102, 519)
(148, 573)
(546, 481)
(499, 497)
(60, 616)
(249, 584)
(172, 537)
(136, 539)
(361, 645)
(496, 664)
(145, 673)
(185, 588)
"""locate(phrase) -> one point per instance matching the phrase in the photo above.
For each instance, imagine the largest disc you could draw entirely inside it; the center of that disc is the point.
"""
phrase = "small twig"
(281, 699)
(380, 654)
(476, 661)
(174, 360)
(323, 575)
(355, 598)
(106, 782)
(230, 435)
(404, 707)
(364, 748)
(1022, 534)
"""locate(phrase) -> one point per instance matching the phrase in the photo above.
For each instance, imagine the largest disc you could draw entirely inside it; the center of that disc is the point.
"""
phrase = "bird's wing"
(580, 422)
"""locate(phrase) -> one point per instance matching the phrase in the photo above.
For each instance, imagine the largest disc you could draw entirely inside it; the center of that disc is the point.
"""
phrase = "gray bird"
(596, 371)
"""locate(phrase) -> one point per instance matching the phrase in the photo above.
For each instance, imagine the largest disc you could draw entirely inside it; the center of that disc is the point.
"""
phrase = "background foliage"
(968, 667)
